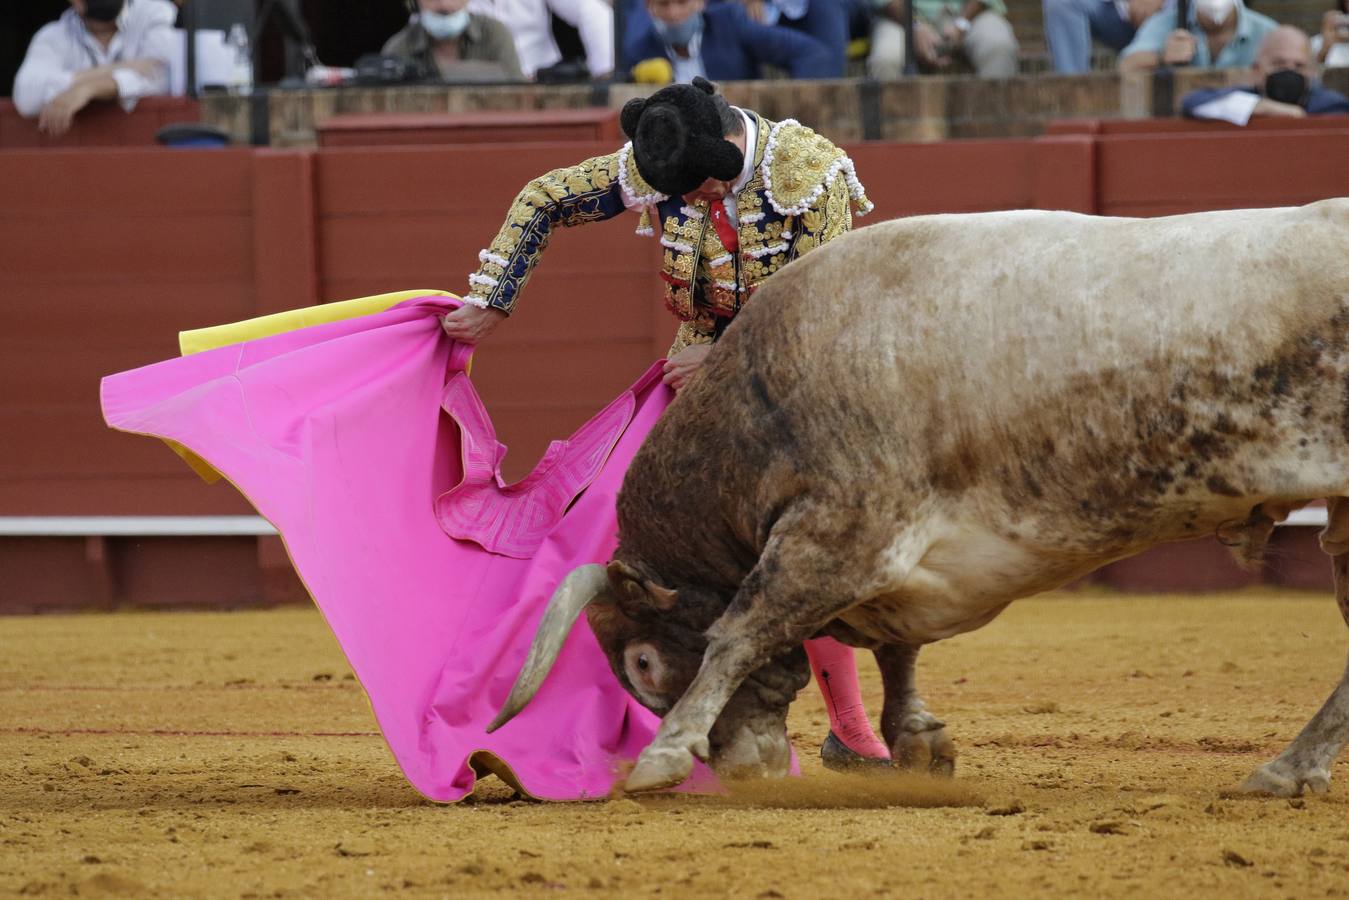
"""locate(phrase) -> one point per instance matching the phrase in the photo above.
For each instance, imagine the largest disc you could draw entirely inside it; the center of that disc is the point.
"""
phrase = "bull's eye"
(645, 671)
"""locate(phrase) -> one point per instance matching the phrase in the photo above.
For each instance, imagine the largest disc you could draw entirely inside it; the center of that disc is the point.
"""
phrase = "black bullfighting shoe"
(839, 757)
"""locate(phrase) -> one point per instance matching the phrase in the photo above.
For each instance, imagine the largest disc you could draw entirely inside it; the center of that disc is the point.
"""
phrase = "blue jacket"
(1321, 101)
(735, 47)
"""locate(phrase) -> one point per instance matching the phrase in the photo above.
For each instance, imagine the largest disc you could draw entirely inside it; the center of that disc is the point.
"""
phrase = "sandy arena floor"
(233, 755)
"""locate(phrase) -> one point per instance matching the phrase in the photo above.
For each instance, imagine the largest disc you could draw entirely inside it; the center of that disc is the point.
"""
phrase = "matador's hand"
(470, 324)
(683, 365)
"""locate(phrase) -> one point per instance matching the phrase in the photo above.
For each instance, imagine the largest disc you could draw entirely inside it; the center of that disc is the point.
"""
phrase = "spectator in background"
(1331, 46)
(529, 24)
(943, 30)
(722, 43)
(824, 20)
(1228, 37)
(445, 41)
(1283, 86)
(96, 50)
(1070, 26)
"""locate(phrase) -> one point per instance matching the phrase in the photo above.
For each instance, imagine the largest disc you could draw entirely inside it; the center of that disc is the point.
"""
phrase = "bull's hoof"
(749, 755)
(839, 757)
(659, 767)
(1279, 779)
(924, 746)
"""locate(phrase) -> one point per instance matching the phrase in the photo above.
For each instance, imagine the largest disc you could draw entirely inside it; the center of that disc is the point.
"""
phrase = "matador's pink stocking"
(835, 669)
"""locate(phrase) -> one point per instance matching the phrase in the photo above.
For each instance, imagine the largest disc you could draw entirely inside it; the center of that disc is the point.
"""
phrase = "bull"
(929, 418)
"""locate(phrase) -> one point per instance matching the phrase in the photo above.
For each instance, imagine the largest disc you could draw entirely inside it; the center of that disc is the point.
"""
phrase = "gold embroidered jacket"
(802, 193)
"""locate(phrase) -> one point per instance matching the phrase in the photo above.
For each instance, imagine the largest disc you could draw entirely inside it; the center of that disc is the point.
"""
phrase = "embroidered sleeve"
(589, 192)
(830, 216)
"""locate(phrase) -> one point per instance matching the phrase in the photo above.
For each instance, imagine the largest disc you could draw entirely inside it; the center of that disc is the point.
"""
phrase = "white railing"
(216, 526)
(133, 526)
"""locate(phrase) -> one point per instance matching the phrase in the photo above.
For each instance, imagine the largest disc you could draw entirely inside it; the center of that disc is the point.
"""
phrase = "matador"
(734, 198)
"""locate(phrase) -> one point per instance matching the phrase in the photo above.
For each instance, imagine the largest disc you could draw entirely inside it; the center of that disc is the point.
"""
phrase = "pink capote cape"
(365, 444)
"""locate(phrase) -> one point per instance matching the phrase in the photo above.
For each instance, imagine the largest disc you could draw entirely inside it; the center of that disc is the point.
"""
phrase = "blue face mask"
(444, 26)
(680, 35)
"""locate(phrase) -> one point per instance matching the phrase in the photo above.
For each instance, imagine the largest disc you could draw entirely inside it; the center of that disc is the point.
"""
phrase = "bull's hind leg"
(797, 585)
(917, 739)
(1305, 765)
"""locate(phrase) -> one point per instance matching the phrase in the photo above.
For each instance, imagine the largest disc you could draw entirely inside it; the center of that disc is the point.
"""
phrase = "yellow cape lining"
(215, 336)
(480, 761)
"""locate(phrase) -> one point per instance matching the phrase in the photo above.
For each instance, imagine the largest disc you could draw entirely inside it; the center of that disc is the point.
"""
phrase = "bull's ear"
(664, 597)
(626, 582)
(634, 587)
(620, 572)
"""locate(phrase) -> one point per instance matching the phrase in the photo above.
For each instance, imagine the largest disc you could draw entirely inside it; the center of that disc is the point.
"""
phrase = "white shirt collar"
(688, 68)
(751, 142)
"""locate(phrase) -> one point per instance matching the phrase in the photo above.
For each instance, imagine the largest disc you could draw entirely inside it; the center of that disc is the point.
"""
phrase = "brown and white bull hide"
(928, 418)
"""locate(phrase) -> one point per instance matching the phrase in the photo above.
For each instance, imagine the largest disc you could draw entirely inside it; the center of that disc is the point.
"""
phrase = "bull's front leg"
(791, 592)
(918, 739)
(1305, 765)
(683, 733)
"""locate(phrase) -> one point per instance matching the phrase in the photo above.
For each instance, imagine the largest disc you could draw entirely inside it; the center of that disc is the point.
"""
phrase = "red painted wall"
(106, 254)
(102, 124)
(1165, 174)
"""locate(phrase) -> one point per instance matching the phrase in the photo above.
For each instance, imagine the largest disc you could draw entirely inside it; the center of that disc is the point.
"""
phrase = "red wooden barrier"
(105, 255)
(949, 177)
(1156, 175)
(535, 126)
(102, 124)
(1192, 126)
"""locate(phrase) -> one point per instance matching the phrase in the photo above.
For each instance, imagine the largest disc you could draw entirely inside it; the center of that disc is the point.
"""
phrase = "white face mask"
(444, 26)
(1216, 11)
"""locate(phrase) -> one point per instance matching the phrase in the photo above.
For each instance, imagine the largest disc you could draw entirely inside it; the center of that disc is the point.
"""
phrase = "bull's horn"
(571, 596)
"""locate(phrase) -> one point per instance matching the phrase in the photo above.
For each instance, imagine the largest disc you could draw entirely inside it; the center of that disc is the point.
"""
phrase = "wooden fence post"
(285, 233)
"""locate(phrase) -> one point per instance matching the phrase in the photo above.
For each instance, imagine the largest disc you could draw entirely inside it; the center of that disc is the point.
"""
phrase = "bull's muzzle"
(572, 596)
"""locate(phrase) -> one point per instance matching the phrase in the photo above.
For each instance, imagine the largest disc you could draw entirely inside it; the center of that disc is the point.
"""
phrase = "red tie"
(725, 230)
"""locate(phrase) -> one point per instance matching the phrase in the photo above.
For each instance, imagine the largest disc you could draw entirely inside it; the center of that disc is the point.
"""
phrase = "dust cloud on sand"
(233, 755)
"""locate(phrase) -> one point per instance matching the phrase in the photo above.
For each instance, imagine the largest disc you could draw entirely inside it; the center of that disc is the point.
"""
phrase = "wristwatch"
(962, 24)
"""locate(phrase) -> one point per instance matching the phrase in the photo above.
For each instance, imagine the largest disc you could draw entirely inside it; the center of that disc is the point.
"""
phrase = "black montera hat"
(677, 139)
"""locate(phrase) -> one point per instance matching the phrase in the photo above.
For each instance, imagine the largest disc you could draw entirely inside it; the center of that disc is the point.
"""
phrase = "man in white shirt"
(533, 32)
(97, 50)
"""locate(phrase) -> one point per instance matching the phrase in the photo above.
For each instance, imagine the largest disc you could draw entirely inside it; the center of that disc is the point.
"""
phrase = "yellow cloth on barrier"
(215, 336)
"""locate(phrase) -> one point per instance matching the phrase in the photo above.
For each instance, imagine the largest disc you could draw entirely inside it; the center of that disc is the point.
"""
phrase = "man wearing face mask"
(1219, 34)
(445, 42)
(97, 50)
(722, 43)
(1283, 86)
(732, 197)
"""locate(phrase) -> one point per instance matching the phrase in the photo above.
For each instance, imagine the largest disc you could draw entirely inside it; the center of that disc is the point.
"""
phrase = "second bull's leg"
(1305, 765)
(917, 739)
